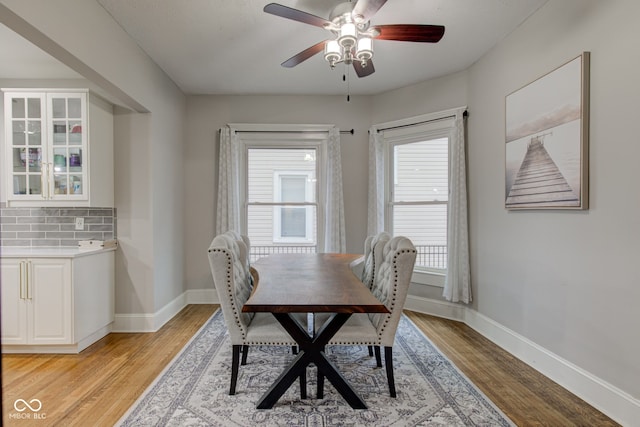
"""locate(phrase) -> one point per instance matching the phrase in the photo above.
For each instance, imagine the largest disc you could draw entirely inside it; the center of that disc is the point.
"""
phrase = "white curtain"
(457, 287)
(228, 212)
(375, 217)
(334, 240)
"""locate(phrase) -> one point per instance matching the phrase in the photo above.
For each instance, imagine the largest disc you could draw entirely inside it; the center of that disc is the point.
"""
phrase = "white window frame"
(277, 210)
(302, 136)
(414, 129)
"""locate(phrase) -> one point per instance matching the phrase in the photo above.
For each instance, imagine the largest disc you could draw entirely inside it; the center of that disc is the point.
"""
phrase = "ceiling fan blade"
(363, 71)
(410, 33)
(295, 14)
(366, 9)
(304, 55)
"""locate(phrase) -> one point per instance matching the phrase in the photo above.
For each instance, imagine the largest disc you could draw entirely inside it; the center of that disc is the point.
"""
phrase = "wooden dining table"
(310, 283)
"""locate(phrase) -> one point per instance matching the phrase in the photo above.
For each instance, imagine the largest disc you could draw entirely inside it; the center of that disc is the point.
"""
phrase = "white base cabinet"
(56, 305)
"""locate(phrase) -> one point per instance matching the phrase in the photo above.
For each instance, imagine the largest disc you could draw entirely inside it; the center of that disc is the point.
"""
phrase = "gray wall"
(566, 280)
(148, 133)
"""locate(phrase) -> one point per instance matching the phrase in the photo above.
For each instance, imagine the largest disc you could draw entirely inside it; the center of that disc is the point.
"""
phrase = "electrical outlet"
(79, 223)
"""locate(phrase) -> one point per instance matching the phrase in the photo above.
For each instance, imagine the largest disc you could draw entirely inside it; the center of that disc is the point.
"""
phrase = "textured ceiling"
(233, 47)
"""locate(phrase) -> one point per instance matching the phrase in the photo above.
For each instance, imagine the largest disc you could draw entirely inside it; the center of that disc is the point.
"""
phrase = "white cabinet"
(56, 304)
(46, 153)
(36, 301)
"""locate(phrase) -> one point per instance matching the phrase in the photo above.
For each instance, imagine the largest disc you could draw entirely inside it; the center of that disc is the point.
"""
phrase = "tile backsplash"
(55, 226)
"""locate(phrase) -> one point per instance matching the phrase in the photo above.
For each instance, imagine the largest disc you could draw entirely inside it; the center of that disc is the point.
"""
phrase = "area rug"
(193, 389)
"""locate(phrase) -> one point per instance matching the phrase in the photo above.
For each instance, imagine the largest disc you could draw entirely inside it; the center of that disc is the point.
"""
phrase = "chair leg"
(388, 361)
(370, 350)
(320, 386)
(245, 351)
(378, 357)
(303, 384)
(235, 361)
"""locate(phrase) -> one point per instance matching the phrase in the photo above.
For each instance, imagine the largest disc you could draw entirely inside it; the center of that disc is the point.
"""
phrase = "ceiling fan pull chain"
(345, 77)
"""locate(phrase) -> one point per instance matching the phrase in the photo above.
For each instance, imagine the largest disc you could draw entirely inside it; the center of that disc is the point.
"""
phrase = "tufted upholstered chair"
(390, 285)
(368, 270)
(233, 280)
(369, 261)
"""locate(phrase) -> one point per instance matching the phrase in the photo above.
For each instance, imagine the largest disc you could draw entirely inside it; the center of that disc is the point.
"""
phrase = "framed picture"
(547, 140)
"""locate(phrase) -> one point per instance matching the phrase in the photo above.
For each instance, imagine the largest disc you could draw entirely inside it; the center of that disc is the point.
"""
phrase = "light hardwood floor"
(97, 386)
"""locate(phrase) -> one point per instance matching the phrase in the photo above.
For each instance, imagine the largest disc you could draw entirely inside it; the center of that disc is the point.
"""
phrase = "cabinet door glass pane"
(19, 132)
(59, 108)
(60, 185)
(75, 112)
(75, 184)
(59, 132)
(33, 108)
(35, 184)
(35, 132)
(75, 159)
(60, 160)
(20, 184)
(33, 159)
(17, 108)
(75, 132)
(19, 160)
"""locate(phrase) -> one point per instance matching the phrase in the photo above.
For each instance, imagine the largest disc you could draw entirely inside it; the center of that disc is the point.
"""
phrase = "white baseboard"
(143, 322)
(434, 307)
(133, 323)
(615, 403)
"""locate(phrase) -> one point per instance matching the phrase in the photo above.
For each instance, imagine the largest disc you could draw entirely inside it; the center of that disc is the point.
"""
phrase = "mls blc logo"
(28, 410)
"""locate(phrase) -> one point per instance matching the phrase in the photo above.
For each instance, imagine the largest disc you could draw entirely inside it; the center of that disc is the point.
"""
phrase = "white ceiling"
(233, 47)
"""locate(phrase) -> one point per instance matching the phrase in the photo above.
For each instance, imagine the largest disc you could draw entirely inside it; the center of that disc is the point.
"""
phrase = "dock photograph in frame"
(547, 140)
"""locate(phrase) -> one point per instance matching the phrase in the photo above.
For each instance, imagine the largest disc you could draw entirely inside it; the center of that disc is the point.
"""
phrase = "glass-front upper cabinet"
(46, 139)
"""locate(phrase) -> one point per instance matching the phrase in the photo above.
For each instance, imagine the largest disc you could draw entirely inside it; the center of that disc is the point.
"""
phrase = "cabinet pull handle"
(44, 180)
(22, 265)
(49, 180)
(28, 279)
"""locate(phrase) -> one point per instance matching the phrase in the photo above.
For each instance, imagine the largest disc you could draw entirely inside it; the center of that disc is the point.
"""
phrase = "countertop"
(50, 252)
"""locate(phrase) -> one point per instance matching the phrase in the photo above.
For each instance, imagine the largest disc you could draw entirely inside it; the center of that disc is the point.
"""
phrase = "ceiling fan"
(353, 34)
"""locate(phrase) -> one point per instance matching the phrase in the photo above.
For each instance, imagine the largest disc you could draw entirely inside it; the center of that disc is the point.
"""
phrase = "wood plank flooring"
(97, 386)
(527, 397)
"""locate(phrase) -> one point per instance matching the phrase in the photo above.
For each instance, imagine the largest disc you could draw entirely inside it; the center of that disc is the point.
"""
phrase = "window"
(417, 189)
(294, 223)
(281, 197)
(282, 207)
(418, 199)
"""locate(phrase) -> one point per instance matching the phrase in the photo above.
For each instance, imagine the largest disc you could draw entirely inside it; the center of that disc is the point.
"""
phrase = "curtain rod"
(351, 131)
(465, 114)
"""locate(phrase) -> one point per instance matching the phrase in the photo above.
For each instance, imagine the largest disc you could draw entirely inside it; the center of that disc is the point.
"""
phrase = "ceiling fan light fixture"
(364, 51)
(348, 35)
(332, 52)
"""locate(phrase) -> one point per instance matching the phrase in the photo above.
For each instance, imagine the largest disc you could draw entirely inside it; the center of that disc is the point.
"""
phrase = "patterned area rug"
(193, 389)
